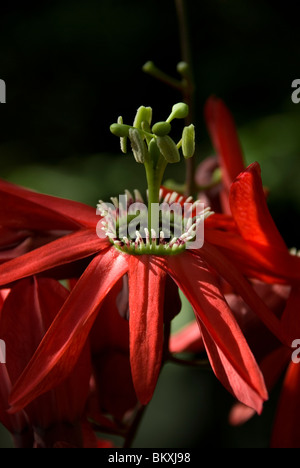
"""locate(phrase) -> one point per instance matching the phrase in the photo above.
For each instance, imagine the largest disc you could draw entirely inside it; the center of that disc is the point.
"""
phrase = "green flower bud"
(168, 149)
(138, 146)
(123, 140)
(184, 69)
(161, 128)
(144, 114)
(148, 66)
(188, 141)
(120, 130)
(179, 111)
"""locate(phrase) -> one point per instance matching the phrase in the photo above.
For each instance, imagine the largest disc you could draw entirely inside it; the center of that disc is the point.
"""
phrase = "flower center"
(177, 223)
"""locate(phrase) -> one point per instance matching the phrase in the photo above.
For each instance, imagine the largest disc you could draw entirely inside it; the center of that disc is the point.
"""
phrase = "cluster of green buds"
(152, 146)
(148, 140)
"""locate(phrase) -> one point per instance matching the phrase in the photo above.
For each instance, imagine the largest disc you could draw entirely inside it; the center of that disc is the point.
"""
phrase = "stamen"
(167, 198)
(182, 228)
(173, 198)
(173, 241)
(129, 198)
(115, 201)
(138, 196)
(160, 194)
(147, 236)
(161, 237)
(153, 236)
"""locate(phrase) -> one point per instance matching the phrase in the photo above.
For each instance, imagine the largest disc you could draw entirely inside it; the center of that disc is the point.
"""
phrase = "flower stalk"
(186, 85)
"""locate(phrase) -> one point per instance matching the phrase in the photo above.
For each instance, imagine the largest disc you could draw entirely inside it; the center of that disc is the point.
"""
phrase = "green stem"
(154, 173)
(183, 31)
(151, 69)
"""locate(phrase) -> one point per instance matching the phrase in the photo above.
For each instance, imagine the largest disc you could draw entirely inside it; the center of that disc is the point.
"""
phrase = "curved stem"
(154, 71)
(189, 88)
(183, 31)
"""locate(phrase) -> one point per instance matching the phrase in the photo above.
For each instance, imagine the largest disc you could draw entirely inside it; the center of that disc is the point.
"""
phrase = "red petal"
(232, 379)
(110, 329)
(27, 314)
(226, 344)
(67, 249)
(187, 339)
(115, 392)
(258, 261)
(240, 414)
(290, 319)
(15, 423)
(274, 364)
(146, 318)
(250, 210)
(10, 238)
(109, 339)
(221, 222)
(224, 138)
(242, 287)
(24, 209)
(64, 341)
(286, 432)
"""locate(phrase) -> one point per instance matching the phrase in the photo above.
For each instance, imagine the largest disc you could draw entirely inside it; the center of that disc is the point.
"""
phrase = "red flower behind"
(241, 194)
(275, 362)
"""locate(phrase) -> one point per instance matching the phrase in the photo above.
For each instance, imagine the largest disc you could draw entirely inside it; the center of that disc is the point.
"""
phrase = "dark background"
(72, 67)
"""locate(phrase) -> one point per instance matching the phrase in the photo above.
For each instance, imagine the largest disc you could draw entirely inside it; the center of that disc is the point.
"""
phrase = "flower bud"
(148, 67)
(144, 114)
(168, 149)
(138, 146)
(184, 69)
(188, 141)
(161, 128)
(179, 111)
(120, 130)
